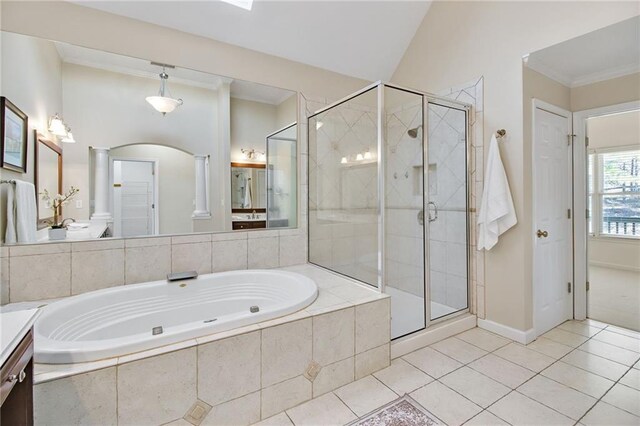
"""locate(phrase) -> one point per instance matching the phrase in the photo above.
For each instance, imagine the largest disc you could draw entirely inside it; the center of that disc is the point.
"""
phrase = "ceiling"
(362, 38)
(600, 55)
(142, 68)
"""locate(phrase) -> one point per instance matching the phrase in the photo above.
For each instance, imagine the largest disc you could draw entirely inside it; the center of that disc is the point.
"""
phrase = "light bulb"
(319, 124)
(359, 157)
(367, 155)
(344, 160)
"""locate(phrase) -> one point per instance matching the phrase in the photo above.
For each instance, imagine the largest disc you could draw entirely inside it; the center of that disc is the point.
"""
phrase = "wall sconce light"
(367, 155)
(344, 160)
(69, 137)
(252, 154)
(56, 126)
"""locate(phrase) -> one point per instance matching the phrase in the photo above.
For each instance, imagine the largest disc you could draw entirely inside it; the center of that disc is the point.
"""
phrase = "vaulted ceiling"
(364, 39)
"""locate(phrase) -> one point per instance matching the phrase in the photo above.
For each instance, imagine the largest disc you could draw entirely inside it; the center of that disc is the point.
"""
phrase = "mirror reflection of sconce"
(58, 128)
(252, 154)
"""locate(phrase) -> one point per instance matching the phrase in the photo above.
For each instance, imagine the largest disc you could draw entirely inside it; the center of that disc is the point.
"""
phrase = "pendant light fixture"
(161, 102)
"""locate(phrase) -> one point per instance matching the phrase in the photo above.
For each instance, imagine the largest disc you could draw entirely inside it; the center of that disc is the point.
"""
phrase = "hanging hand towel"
(21, 213)
(497, 213)
(246, 203)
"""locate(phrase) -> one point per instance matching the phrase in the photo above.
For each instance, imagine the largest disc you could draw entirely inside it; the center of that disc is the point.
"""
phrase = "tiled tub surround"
(245, 375)
(54, 270)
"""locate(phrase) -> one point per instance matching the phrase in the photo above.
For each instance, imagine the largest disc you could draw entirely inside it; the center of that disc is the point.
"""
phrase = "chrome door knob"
(542, 234)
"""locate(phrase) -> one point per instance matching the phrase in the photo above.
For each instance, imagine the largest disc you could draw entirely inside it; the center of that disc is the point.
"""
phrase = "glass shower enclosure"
(388, 200)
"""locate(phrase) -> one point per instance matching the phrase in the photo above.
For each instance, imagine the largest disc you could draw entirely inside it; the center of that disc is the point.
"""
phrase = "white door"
(552, 259)
(133, 198)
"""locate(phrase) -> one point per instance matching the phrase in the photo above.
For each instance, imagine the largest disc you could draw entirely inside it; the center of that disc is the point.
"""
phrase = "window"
(614, 193)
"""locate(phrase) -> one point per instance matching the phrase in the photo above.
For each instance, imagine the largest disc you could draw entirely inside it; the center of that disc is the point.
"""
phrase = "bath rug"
(404, 411)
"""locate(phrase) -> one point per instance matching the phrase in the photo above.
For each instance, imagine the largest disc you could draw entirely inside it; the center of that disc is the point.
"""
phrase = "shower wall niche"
(378, 214)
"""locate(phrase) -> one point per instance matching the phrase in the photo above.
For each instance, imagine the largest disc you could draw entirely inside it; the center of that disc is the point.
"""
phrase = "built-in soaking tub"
(117, 321)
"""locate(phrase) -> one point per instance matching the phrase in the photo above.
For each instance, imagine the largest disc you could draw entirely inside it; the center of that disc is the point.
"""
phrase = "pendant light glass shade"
(160, 102)
(69, 137)
(56, 126)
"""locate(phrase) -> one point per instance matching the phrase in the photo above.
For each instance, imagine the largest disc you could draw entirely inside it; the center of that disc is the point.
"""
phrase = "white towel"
(246, 202)
(497, 213)
(21, 213)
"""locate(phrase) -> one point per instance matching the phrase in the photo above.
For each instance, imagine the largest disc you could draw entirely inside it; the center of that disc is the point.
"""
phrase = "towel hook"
(501, 133)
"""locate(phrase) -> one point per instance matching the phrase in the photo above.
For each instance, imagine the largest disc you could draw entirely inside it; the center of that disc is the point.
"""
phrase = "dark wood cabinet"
(249, 224)
(16, 392)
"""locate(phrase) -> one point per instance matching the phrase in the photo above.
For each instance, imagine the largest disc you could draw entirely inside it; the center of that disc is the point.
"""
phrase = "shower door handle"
(435, 212)
(421, 217)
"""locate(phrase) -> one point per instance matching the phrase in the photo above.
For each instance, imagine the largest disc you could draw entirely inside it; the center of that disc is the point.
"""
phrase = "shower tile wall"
(343, 206)
(403, 189)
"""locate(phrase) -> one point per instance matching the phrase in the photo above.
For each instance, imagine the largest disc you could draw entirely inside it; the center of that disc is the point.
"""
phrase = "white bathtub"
(121, 320)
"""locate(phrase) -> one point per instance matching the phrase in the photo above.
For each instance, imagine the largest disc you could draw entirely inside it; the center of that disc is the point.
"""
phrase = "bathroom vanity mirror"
(248, 195)
(48, 175)
(148, 145)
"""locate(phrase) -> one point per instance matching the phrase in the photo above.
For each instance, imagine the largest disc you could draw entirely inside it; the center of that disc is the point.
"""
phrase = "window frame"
(597, 194)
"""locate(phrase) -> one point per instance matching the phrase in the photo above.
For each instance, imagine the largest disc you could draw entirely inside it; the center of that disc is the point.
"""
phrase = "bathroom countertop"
(13, 327)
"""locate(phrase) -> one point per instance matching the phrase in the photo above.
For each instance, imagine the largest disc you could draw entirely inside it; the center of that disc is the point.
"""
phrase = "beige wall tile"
(93, 270)
(229, 255)
(4, 280)
(372, 325)
(229, 368)
(4, 251)
(157, 390)
(38, 277)
(84, 399)
(333, 376)
(372, 360)
(191, 257)
(194, 238)
(147, 242)
(333, 336)
(148, 263)
(229, 236)
(243, 411)
(285, 395)
(286, 351)
(293, 250)
(37, 249)
(263, 252)
(102, 244)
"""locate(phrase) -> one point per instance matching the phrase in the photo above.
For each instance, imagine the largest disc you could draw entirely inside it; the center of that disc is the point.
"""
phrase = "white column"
(202, 188)
(101, 185)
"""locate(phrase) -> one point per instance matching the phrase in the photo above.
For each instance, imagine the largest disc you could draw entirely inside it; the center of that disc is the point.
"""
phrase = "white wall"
(107, 109)
(176, 182)
(287, 112)
(461, 41)
(609, 132)
(31, 80)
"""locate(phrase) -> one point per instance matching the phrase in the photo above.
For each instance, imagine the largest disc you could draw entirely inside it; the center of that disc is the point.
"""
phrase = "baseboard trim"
(431, 335)
(524, 337)
(615, 266)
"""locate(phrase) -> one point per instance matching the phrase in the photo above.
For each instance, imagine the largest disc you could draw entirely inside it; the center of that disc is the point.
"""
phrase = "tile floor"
(582, 372)
(613, 296)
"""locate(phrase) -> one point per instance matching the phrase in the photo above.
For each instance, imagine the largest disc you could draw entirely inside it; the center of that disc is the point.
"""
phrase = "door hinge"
(568, 213)
(569, 287)
(588, 286)
(153, 206)
(586, 140)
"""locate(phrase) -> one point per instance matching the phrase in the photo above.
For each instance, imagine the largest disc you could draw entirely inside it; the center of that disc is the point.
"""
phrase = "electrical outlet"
(78, 204)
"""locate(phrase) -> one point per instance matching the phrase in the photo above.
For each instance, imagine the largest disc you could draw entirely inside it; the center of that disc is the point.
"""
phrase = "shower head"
(413, 133)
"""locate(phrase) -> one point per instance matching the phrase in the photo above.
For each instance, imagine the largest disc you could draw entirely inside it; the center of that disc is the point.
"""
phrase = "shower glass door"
(282, 174)
(447, 209)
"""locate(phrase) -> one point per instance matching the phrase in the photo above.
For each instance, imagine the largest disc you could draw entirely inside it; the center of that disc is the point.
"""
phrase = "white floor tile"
(561, 398)
(403, 377)
(446, 404)
(616, 339)
(613, 296)
(578, 379)
(486, 419)
(325, 410)
(475, 386)
(501, 370)
(432, 362)
(614, 353)
(579, 327)
(549, 347)
(594, 323)
(365, 395)
(565, 337)
(625, 398)
(632, 379)
(278, 420)
(604, 414)
(459, 350)
(528, 358)
(483, 339)
(596, 364)
(624, 331)
(518, 409)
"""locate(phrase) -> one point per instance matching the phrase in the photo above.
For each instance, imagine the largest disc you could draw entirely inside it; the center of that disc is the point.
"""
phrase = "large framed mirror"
(248, 195)
(145, 163)
(47, 176)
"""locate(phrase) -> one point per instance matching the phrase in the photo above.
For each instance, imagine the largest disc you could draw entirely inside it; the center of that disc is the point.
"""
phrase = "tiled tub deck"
(241, 376)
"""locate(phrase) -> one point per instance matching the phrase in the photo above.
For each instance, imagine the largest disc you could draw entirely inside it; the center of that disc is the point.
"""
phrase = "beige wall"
(608, 92)
(460, 41)
(286, 112)
(32, 73)
(251, 123)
